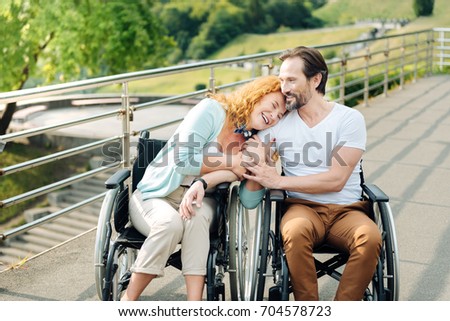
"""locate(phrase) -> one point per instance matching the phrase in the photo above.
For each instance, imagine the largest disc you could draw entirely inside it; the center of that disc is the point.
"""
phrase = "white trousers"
(159, 220)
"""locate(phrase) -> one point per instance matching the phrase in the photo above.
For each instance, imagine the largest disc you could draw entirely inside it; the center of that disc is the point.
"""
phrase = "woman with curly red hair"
(205, 150)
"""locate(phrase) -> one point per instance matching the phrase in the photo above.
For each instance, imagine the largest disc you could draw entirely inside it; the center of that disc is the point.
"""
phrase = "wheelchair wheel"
(386, 282)
(245, 247)
(103, 238)
(266, 248)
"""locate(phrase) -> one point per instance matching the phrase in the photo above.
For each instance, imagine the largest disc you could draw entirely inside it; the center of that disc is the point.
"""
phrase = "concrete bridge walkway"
(408, 157)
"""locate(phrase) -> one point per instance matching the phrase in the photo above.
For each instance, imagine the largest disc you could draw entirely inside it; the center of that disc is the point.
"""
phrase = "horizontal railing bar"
(28, 226)
(355, 69)
(333, 89)
(173, 99)
(41, 130)
(376, 85)
(56, 156)
(176, 98)
(136, 132)
(168, 100)
(353, 82)
(24, 94)
(354, 94)
(54, 186)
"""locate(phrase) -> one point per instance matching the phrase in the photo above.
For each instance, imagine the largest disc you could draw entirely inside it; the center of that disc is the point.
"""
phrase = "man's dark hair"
(313, 63)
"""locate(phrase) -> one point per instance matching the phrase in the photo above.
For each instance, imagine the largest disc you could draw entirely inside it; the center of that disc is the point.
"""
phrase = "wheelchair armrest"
(117, 178)
(223, 186)
(277, 195)
(374, 193)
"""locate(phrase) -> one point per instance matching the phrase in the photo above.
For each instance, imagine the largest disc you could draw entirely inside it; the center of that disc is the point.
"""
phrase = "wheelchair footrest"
(124, 281)
(175, 260)
(275, 293)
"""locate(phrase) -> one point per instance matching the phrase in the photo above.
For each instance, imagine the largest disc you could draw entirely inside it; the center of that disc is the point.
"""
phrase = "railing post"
(366, 77)
(342, 77)
(126, 114)
(441, 58)
(416, 57)
(430, 42)
(269, 66)
(212, 81)
(402, 64)
(386, 69)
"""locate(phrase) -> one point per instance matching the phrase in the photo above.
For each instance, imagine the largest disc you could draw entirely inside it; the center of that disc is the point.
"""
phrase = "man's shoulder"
(346, 111)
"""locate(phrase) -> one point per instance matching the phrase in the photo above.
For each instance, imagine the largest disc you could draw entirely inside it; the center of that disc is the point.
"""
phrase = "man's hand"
(263, 174)
(194, 195)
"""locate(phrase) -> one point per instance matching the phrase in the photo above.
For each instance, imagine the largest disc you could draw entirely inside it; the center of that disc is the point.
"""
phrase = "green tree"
(73, 39)
(423, 7)
(225, 22)
(182, 21)
(292, 13)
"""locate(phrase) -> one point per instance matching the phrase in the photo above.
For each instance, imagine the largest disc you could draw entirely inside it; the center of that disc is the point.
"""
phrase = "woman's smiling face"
(268, 111)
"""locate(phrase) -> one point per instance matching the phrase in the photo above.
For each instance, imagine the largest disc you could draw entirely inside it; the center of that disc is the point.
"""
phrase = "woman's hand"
(257, 152)
(193, 196)
(236, 165)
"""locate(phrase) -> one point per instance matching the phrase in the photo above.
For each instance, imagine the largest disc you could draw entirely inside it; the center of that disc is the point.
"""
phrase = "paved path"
(408, 157)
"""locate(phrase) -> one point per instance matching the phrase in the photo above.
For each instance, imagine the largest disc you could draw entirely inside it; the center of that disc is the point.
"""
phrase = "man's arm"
(332, 180)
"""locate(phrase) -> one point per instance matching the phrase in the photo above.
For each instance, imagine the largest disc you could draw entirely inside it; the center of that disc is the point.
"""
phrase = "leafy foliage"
(423, 7)
(18, 183)
(76, 39)
(201, 28)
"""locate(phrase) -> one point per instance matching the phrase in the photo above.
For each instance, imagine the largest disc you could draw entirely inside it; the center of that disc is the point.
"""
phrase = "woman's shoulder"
(210, 103)
(207, 110)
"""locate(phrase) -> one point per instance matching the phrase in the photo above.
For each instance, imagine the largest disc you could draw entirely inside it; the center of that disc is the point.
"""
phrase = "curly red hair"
(240, 103)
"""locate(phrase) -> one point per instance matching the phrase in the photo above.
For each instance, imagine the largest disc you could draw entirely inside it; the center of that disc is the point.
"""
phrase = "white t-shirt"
(305, 151)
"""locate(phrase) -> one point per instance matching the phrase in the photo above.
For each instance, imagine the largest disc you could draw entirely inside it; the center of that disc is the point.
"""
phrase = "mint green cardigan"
(183, 154)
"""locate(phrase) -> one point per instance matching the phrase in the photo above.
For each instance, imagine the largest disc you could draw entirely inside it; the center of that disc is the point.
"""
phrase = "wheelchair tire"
(384, 285)
(103, 239)
(391, 253)
(266, 250)
(245, 248)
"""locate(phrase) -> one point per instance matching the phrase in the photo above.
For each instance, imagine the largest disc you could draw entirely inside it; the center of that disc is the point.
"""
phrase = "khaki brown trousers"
(306, 225)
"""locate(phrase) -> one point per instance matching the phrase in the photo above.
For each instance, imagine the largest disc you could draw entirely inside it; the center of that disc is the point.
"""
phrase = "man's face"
(294, 84)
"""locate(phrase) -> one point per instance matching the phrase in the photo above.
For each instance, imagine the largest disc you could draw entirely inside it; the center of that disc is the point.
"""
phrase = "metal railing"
(358, 70)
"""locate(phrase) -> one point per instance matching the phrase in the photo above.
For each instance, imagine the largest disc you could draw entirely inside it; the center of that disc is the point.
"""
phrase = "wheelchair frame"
(385, 282)
(117, 242)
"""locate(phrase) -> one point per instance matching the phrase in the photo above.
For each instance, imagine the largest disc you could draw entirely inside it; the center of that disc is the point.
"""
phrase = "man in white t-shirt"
(320, 144)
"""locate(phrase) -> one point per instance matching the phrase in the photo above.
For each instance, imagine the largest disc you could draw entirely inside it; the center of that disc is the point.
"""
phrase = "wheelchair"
(385, 281)
(259, 248)
(118, 242)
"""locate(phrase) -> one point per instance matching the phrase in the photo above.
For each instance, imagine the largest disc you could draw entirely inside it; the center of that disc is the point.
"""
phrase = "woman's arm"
(196, 192)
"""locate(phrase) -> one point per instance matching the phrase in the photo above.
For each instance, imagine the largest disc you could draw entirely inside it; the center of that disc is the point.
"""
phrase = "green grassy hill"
(251, 43)
(339, 13)
(344, 12)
